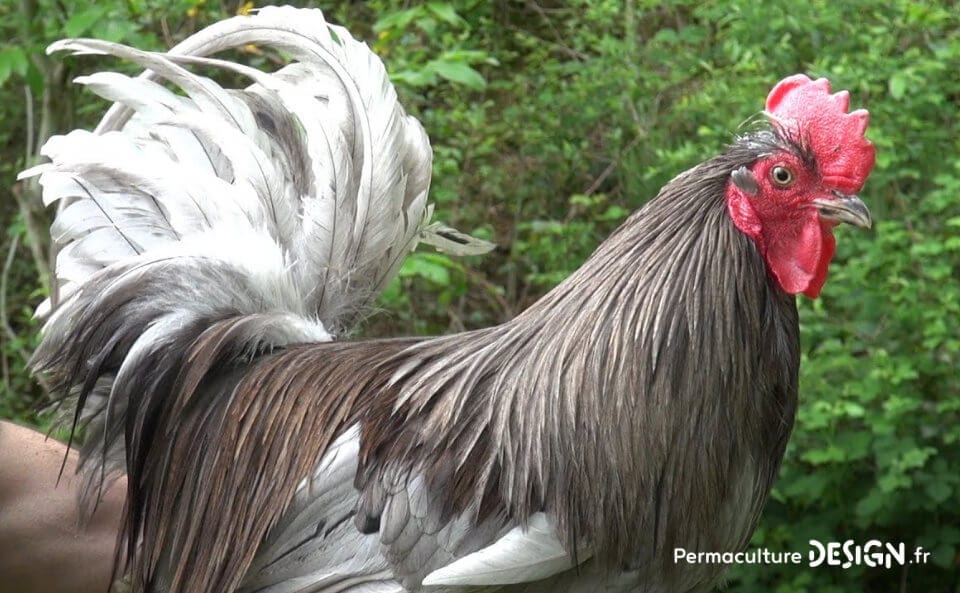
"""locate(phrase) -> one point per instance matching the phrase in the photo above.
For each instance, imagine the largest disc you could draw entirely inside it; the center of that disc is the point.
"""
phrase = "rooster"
(216, 241)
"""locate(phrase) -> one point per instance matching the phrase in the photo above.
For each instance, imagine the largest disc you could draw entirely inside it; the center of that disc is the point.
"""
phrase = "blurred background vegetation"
(550, 122)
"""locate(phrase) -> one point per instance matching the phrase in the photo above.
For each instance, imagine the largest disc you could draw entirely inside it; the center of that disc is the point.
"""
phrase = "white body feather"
(317, 548)
(519, 556)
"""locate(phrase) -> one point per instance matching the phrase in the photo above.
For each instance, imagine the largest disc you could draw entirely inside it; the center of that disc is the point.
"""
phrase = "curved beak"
(843, 208)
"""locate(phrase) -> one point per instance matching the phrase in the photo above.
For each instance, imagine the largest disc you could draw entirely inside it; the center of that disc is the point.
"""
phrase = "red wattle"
(799, 262)
(797, 252)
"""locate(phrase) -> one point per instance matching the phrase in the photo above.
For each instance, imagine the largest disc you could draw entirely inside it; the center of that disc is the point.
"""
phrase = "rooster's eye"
(782, 176)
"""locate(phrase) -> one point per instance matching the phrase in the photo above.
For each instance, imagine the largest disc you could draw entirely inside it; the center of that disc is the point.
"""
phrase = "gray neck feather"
(647, 396)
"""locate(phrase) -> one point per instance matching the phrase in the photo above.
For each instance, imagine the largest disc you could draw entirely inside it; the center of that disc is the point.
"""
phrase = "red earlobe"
(744, 216)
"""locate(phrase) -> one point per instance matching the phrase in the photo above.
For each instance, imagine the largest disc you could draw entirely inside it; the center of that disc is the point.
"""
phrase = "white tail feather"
(277, 211)
(340, 185)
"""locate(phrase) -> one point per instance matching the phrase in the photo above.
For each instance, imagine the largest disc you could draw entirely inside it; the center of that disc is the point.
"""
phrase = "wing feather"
(522, 555)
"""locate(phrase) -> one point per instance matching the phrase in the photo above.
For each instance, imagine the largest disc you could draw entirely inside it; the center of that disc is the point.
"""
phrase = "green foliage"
(551, 121)
(15, 346)
(407, 29)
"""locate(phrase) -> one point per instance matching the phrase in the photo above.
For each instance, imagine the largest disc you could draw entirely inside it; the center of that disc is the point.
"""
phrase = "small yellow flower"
(245, 8)
(192, 12)
(383, 34)
(251, 48)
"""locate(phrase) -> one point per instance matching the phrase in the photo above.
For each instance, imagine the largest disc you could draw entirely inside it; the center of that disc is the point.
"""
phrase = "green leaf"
(396, 20)
(445, 12)
(467, 55)
(898, 85)
(13, 60)
(459, 73)
(80, 23)
(117, 31)
(414, 78)
(868, 507)
(614, 214)
(433, 267)
(939, 492)
(827, 454)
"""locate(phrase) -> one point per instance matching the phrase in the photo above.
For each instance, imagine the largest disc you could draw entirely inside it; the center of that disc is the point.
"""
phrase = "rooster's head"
(809, 167)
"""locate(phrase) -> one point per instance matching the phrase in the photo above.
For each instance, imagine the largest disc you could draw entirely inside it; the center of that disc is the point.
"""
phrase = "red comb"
(805, 110)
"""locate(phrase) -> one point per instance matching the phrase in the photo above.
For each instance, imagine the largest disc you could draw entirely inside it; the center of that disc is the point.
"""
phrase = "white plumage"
(318, 156)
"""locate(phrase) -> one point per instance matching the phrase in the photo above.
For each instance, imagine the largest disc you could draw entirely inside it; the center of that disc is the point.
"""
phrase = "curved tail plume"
(241, 220)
